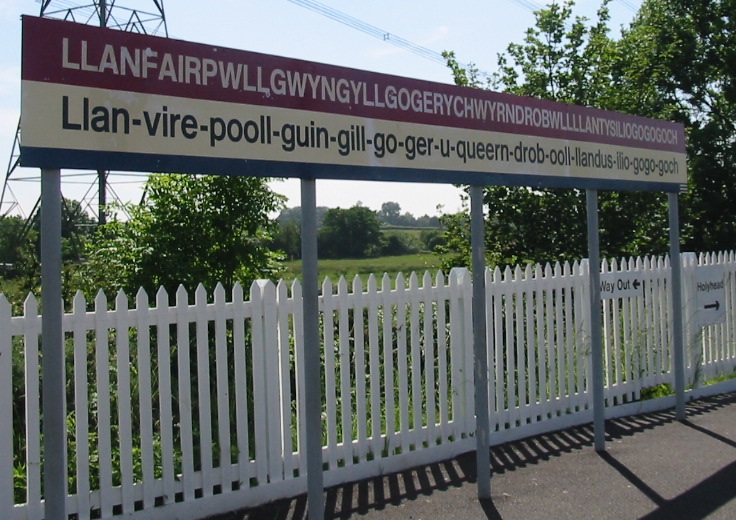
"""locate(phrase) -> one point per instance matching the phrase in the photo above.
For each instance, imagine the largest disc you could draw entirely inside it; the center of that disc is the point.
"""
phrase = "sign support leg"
(52, 347)
(312, 368)
(677, 340)
(596, 343)
(480, 348)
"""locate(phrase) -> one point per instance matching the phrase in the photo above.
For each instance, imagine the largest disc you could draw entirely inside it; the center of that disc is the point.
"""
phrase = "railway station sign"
(104, 99)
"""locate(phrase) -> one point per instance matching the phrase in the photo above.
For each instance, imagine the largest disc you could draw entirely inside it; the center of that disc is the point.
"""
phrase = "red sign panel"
(99, 98)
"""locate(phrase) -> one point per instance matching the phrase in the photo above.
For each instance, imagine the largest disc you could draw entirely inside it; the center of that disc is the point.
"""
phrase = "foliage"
(390, 214)
(190, 230)
(350, 233)
(288, 238)
(20, 250)
(656, 391)
(684, 53)
(397, 243)
(455, 252)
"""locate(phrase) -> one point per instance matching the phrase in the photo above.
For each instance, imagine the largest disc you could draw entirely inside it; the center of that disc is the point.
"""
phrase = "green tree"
(11, 232)
(189, 230)
(681, 63)
(390, 213)
(288, 238)
(20, 249)
(566, 59)
(350, 233)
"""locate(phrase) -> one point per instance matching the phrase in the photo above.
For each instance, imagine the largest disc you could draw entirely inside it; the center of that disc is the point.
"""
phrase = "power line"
(374, 31)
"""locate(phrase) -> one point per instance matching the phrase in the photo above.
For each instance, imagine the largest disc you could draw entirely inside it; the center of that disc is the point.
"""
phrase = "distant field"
(349, 268)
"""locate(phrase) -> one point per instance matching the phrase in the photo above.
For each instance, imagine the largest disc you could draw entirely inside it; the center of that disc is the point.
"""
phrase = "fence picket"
(559, 325)
(403, 365)
(223, 389)
(125, 416)
(145, 397)
(520, 338)
(569, 335)
(32, 407)
(204, 441)
(164, 396)
(346, 385)
(494, 383)
(581, 352)
(498, 342)
(331, 304)
(7, 498)
(260, 415)
(530, 341)
(296, 298)
(442, 386)
(609, 349)
(241, 385)
(184, 397)
(417, 432)
(81, 406)
(540, 344)
(104, 424)
(273, 393)
(389, 388)
(430, 399)
(359, 353)
(285, 390)
(372, 304)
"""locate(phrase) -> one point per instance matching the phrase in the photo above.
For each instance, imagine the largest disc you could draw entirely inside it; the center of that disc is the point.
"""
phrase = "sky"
(477, 30)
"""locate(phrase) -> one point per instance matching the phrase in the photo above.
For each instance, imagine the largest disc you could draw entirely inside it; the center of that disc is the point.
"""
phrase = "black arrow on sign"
(715, 306)
(637, 284)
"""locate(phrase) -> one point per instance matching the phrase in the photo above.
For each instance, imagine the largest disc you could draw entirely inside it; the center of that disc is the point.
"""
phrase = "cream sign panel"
(97, 98)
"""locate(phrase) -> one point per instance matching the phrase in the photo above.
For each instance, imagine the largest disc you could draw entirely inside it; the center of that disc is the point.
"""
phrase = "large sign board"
(103, 99)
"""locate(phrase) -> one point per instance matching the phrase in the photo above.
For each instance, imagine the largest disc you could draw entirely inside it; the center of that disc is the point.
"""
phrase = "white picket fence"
(190, 408)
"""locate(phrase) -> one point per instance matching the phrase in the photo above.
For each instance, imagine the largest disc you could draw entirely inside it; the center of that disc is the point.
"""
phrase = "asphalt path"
(654, 467)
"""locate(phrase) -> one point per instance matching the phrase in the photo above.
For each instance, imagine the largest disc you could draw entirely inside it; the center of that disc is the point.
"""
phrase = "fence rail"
(193, 405)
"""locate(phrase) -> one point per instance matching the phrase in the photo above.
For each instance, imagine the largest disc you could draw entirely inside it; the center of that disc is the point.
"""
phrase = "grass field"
(393, 265)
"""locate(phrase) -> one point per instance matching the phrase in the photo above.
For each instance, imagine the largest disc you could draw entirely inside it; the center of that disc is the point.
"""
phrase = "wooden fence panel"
(398, 364)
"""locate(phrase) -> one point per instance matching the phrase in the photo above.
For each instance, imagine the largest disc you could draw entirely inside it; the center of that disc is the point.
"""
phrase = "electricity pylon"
(124, 15)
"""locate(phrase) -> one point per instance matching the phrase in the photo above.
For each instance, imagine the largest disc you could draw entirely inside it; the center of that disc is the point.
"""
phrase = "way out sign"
(621, 285)
(710, 295)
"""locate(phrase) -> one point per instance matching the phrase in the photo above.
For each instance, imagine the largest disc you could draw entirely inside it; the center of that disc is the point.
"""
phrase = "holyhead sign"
(104, 99)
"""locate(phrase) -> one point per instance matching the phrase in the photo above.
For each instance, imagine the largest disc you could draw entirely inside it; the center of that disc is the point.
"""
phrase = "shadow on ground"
(378, 493)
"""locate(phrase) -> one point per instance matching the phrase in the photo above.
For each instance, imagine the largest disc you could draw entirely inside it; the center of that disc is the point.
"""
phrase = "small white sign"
(621, 285)
(710, 295)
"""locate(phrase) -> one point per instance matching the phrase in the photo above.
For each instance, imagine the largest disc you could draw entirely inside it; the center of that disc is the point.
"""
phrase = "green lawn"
(365, 266)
